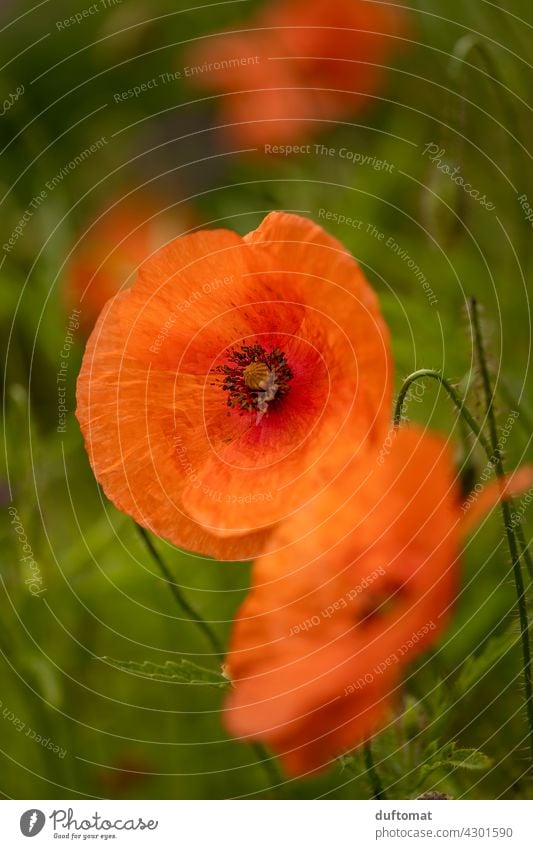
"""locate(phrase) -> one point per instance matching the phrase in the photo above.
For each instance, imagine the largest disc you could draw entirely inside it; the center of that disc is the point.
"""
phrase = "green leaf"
(475, 667)
(448, 758)
(469, 759)
(182, 672)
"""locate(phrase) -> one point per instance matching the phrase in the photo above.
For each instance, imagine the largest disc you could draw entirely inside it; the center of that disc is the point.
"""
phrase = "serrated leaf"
(469, 759)
(182, 672)
(448, 757)
(476, 666)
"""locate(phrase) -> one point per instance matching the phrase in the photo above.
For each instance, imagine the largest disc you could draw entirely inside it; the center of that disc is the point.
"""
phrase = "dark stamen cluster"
(254, 378)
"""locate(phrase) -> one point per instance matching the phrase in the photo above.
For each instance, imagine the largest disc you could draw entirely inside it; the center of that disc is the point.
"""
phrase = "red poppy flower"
(111, 251)
(211, 390)
(361, 582)
(301, 63)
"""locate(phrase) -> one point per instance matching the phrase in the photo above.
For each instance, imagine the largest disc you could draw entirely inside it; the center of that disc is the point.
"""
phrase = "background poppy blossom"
(299, 63)
(210, 391)
(361, 583)
(110, 252)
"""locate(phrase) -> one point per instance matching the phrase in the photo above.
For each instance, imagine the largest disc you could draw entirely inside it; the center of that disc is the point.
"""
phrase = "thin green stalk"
(38, 709)
(185, 605)
(472, 44)
(525, 550)
(493, 453)
(527, 423)
(377, 788)
(269, 764)
(474, 427)
(506, 513)
(459, 403)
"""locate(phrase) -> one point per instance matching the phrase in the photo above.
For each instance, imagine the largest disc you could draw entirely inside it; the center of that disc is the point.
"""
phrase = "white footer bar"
(268, 824)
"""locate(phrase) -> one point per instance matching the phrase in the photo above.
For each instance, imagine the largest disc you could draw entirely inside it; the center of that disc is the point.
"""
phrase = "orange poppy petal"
(341, 392)
(511, 486)
(142, 469)
(259, 478)
(163, 350)
(322, 273)
(193, 295)
(357, 585)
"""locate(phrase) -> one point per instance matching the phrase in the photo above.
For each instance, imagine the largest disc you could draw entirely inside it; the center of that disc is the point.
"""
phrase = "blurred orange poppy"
(112, 249)
(361, 583)
(212, 388)
(299, 64)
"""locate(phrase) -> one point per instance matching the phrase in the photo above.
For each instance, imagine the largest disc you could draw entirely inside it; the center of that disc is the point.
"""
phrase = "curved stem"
(506, 513)
(377, 788)
(473, 425)
(459, 403)
(472, 44)
(493, 452)
(267, 762)
(185, 605)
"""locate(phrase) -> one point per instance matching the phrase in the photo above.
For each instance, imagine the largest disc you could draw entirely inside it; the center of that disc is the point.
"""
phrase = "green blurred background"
(463, 83)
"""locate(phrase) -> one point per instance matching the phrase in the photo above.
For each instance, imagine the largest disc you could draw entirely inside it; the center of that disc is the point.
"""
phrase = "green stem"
(269, 765)
(474, 427)
(185, 605)
(525, 419)
(38, 709)
(267, 762)
(459, 403)
(472, 44)
(377, 788)
(506, 513)
(525, 550)
(493, 453)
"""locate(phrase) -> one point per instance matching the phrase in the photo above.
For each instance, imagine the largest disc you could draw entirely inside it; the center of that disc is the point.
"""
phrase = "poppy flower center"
(254, 378)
